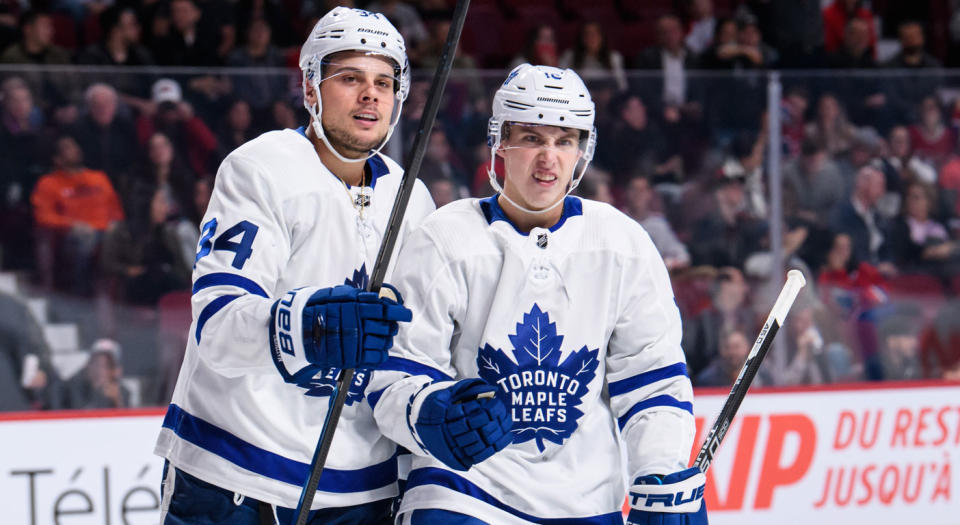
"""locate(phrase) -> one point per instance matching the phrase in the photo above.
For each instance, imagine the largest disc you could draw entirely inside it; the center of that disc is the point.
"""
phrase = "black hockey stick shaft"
(390, 235)
(778, 314)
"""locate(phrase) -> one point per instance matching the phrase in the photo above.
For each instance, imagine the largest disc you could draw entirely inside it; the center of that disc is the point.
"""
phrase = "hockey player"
(293, 226)
(562, 310)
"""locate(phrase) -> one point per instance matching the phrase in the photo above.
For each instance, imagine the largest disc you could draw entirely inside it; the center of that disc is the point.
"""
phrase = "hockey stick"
(778, 314)
(390, 235)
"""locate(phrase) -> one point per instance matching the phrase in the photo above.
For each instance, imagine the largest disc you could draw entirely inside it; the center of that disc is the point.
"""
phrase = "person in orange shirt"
(72, 207)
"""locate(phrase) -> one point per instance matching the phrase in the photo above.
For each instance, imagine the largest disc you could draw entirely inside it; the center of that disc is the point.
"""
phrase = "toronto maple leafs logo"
(541, 393)
(360, 278)
(322, 385)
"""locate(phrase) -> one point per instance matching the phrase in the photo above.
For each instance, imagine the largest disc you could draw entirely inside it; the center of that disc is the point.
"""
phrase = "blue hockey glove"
(461, 429)
(314, 329)
(676, 499)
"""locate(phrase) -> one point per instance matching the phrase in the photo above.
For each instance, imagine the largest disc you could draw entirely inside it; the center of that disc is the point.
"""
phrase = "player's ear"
(309, 94)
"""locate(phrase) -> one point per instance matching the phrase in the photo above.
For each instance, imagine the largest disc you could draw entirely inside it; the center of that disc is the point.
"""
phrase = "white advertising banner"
(884, 454)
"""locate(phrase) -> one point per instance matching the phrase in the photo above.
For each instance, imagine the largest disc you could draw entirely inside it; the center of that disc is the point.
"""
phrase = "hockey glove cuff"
(676, 499)
(462, 425)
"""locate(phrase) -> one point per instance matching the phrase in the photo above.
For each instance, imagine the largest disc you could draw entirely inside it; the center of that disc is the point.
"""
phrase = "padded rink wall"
(884, 454)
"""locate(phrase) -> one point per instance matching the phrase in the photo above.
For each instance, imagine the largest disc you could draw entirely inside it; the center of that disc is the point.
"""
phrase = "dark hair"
(579, 49)
(30, 16)
(528, 48)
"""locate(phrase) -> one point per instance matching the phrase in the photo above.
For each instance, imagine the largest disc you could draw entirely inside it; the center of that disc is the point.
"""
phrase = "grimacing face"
(539, 163)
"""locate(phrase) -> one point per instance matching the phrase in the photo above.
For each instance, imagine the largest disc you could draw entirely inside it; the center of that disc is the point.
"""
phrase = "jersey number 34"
(242, 249)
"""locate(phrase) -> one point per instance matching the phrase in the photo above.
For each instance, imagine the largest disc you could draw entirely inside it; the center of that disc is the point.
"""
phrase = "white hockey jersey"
(278, 220)
(577, 327)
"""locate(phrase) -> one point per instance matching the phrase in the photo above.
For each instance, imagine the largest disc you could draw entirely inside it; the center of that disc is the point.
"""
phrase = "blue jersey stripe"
(658, 401)
(649, 377)
(572, 207)
(212, 307)
(228, 279)
(413, 368)
(265, 463)
(447, 479)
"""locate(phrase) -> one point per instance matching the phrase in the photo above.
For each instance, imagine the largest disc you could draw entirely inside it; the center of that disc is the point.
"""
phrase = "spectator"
(918, 243)
(723, 45)
(913, 52)
(813, 185)
(236, 127)
(795, 29)
(163, 168)
(107, 137)
(702, 26)
(745, 162)
(831, 127)
(804, 349)
(793, 110)
(857, 217)
(900, 350)
(724, 367)
(863, 94)
(119, 45)
(202, 188)
(857, 49)
(282, 116)
(23, 158)
(274, 14)
(930, 136)
(727, 234)
(72, 207)
(640, 196)
(949, 185)
(728, 311)
(443, 191)
(36, 47)
(901, 166)
(750, 51)
(595, 185)
(175, 119)
(592, 58)
(836, 19)
(151, 253)
(406, 19)
(98, 384)
(444, 159)
(940, 343)
(631, 130)
(907, 88)
(260, 88)
(673, 60)
(540, 48)
(188, 42)
(27, 379)
(854, 294)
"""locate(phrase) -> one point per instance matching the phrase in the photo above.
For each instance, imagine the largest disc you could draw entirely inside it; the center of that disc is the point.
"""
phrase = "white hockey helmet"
(543, 95)
(348, 29)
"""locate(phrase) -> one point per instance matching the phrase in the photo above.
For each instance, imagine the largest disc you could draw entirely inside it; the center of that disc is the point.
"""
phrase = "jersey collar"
(375, 166)
(572, 206)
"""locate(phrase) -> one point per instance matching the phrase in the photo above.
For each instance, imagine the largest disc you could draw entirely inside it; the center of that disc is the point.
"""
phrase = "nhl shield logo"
(541, 393)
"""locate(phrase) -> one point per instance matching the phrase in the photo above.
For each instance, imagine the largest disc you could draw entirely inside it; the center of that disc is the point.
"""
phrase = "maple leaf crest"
(541, 393)
(360, 278)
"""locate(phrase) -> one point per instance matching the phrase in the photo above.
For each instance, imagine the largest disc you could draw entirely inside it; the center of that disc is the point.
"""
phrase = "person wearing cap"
(171, 115)
(98, 384)
(288, 242)
(548, 342)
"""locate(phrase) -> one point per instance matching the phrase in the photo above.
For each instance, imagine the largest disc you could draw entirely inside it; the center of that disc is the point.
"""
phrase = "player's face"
(539, 163)
(357, 93)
